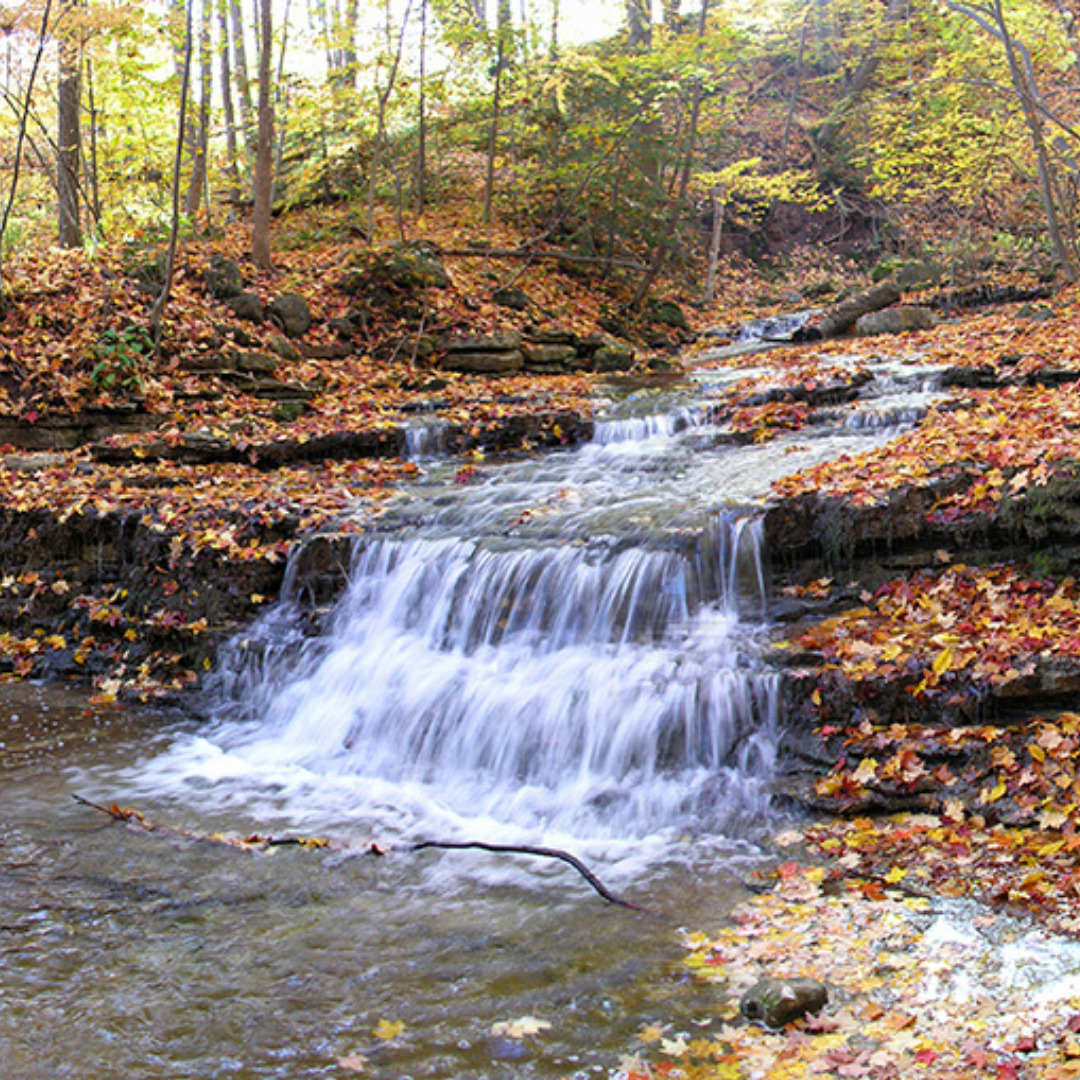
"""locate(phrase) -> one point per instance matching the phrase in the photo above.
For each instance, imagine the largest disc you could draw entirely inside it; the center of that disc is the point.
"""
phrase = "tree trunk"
(24, 119)
(93, 198)
(232, 167)
(678, 199)
(157, 315)
(264, 147)
(717, 207)
(860, 81)
(380, 120)
(421, 120)
(639, 24)
(243, 78)
(502, 62)
(69, 138)
(198, 133)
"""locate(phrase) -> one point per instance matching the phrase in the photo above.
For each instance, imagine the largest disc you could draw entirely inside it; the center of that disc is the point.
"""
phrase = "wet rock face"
(779, 1002)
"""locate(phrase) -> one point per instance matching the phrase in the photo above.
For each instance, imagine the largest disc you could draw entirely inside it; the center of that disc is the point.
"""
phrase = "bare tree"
(24, 119)
(991, 18)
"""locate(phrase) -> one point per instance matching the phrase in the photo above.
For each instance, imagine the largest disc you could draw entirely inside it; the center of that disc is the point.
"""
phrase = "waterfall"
(602, 689)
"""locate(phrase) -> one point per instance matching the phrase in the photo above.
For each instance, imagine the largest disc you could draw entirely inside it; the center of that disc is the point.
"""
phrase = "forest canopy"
(663, 134)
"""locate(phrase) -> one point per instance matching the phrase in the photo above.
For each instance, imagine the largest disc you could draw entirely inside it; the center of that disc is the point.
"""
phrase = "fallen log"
(841, 318)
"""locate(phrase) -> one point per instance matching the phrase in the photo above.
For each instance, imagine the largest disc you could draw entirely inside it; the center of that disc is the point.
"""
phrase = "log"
(841, 318)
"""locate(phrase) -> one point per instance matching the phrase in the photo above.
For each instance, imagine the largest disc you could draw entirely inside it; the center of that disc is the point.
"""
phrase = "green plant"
(119, 359)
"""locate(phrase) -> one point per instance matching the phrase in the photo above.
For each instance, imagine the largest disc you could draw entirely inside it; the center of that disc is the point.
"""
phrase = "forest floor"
(931, 637)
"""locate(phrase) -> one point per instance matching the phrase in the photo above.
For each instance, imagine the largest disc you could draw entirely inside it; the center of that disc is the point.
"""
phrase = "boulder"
(223, 278)
(915, 274)
(247, 306)
(841, 318)
(482, 343)
(614, 357)
(549, 359)
(779, 1002)
(666, 313)
(511, 297)
(895, 320)
(290, 311)
(553, 335)
(259, 363)
(377, 275)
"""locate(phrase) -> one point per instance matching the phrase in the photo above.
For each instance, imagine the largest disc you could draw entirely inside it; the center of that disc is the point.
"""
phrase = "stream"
(564, 650)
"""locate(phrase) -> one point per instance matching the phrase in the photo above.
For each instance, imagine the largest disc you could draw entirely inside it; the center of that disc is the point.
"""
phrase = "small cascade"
(425, 440)
(636, 429)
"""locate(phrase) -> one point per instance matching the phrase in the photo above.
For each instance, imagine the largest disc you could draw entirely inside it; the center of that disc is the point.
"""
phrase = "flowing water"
(561, 651)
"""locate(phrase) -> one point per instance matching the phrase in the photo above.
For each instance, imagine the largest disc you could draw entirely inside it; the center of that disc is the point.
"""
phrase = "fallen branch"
(529, 253)
(135, 819)
(542, 852)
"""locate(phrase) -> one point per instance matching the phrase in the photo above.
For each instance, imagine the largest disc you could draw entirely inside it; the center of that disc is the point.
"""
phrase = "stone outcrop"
(541, 351)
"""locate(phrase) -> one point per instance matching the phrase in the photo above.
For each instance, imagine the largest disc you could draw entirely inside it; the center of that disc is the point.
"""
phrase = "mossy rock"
(779, 1002)
(393, 270)
(666, 313)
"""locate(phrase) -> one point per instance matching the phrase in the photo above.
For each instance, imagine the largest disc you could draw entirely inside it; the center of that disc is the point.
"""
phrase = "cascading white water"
(597, 691)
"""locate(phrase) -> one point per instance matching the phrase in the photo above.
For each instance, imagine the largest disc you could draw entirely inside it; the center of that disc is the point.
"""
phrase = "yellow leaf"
(943, 662)
(388, 1029)
(897, 873)
(989, 795)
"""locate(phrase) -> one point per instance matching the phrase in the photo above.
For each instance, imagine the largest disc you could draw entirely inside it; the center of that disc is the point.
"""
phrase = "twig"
(542, 852)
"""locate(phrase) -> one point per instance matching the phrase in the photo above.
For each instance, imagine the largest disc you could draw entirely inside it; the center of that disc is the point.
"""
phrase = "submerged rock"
(779, 1002)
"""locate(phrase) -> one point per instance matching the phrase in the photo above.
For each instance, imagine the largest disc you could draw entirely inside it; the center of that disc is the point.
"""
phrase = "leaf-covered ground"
(917, 988)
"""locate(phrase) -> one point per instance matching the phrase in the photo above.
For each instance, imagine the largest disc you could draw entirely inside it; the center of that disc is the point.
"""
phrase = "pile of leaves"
(916, 989)
(960, 631)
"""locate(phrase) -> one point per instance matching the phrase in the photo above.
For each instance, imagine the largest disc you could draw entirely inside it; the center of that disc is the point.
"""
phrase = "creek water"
(562, 651)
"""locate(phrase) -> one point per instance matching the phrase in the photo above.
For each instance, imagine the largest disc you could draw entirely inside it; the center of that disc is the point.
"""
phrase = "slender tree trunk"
(243, 78)
(93, 194)
(717, 207)
(503, 29)
(663, 249)
(1022, 76)
(421, 125)
(380, 120)
(264, 153)
(639, 24)
(69, 138)
(198, 136)
(860, 80)
(789, 120)
(157, 315)
(232, 167)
